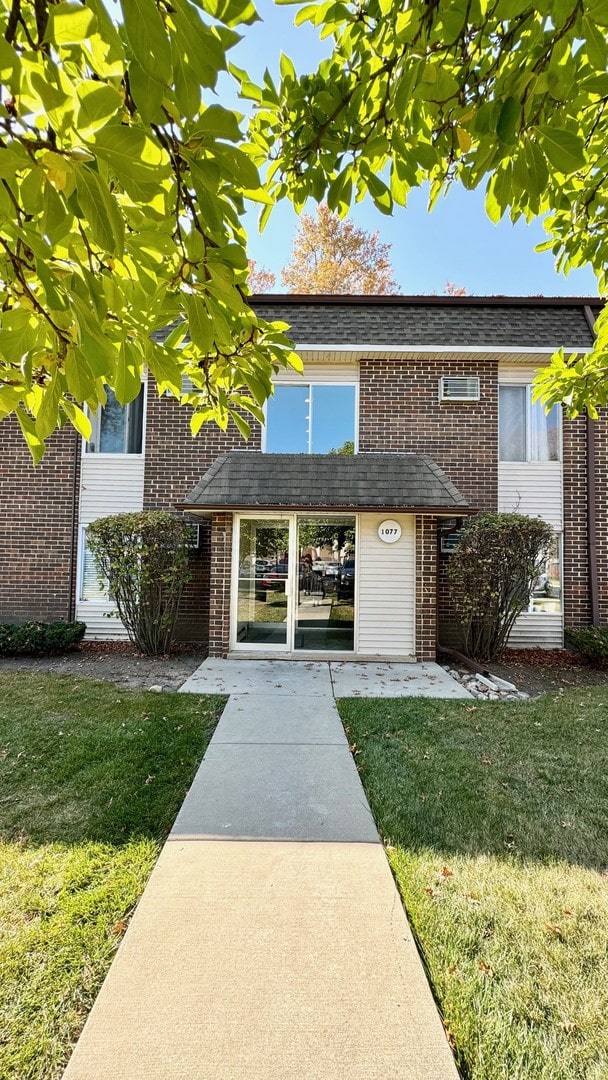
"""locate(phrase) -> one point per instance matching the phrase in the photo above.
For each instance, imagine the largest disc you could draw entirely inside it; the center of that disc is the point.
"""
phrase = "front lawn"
(495, 817)
(91, 778)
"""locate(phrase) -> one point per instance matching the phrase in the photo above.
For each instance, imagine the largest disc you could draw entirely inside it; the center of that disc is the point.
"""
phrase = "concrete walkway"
(270, 942)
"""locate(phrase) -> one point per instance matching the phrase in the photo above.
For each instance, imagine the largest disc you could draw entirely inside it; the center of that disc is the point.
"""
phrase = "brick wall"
(601, 481)
(399, 411)
(426, 587)
(175, 462)
(577, 607)
(36, 528)
(219, 603)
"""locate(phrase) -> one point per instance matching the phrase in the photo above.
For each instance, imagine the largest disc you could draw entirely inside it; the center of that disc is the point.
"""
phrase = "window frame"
(118, 455)
(528, 460)
(310, 383)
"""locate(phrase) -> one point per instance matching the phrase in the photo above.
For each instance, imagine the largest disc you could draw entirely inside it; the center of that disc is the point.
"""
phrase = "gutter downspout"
(592, 500)
(73, 537)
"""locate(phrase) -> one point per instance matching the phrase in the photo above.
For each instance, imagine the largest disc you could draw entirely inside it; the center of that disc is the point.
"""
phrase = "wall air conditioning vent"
(459, 388)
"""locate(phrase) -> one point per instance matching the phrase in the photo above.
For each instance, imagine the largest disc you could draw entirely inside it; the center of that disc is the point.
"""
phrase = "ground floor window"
(547, 596)
(90, 587)
(296, 583)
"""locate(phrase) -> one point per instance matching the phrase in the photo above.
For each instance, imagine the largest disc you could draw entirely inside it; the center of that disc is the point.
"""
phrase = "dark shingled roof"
(245, 479)
(522, 322)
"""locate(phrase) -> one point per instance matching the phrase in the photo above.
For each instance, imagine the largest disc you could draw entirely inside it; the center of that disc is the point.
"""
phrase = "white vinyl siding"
(537, 630)
(534, 488)
(386, 588)
(113, 486)
(319, 373)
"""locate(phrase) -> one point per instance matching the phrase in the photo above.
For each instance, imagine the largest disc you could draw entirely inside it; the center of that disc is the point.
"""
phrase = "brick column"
(219, 591)
(577, 607)
(426, 587)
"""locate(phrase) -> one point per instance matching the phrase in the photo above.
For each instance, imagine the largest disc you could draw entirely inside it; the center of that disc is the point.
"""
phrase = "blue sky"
(456, 243)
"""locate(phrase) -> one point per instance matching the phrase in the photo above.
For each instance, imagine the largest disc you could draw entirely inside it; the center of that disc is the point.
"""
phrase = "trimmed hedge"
(39, 638)
(591, 641)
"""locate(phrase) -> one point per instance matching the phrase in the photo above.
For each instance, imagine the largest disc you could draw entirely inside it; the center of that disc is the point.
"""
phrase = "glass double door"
(295, 584)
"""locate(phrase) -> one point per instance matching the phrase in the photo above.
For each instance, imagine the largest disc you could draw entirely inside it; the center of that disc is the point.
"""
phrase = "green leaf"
(241, 423)
(79, 377)
(596, 43)
(33, 440)
(48, 413)
(133, 157)
(538, 173)
(148, 38)
(127, 380)
(69, 23)
(230, 12)
(98, 103)
(199, 323)
(101, 210)
(147, 93)
(219, 122)
(78, 419)
(508, 121)
(564, 150)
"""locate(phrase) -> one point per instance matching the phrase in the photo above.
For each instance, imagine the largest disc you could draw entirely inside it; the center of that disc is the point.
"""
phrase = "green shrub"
(144, 559)
(491, 577)
(591, 641)
(39, 638)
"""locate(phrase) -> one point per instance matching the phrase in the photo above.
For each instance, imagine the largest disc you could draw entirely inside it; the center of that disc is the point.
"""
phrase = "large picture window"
(526, 432)
(118, 429)
(311, 418)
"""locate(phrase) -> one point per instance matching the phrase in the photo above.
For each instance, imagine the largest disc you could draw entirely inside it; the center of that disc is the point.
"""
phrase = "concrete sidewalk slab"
(255, 718)
(384, 680)
(277, 792)
(279, 677)
(257, 961)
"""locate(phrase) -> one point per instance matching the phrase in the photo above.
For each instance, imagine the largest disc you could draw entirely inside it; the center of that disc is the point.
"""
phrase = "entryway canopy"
(250, 480)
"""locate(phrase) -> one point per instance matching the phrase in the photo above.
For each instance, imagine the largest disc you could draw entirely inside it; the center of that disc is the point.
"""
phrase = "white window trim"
(310, 383)
(119, 456)
(532, 462)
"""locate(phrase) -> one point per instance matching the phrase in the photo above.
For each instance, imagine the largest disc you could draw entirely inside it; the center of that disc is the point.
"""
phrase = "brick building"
(304, 546)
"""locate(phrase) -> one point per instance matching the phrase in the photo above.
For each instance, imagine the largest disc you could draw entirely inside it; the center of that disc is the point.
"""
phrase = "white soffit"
(352, 354)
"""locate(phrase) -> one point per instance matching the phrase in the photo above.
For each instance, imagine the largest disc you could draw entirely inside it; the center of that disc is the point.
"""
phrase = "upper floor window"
(311, 418)
(525, 431)
(118, 429)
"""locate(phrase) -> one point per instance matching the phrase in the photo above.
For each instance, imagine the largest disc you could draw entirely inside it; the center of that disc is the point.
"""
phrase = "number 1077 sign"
(389, 531)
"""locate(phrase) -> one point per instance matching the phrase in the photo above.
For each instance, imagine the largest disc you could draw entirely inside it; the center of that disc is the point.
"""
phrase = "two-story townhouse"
(303, 547)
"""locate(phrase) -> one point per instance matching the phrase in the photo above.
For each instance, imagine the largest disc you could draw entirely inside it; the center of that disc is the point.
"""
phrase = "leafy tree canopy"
(501, 93)
(121, 197)
(122, 188)
(331, 255)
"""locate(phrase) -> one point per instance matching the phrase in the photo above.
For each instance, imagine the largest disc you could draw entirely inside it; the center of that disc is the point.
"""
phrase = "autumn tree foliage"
(331, 255)
(260, 279)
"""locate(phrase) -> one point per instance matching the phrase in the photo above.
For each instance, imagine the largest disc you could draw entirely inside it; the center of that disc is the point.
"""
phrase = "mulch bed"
(538, 671)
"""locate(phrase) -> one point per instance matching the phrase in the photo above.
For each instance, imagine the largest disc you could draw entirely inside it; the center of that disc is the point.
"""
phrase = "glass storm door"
(262, 603)
(325, 608)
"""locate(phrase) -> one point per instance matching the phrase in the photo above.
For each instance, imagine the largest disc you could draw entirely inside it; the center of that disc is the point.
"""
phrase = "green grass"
(91, 778)
(495, 817)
